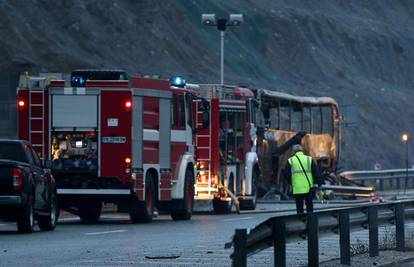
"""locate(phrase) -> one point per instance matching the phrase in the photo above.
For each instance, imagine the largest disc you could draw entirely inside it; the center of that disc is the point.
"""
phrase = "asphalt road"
(114, 241)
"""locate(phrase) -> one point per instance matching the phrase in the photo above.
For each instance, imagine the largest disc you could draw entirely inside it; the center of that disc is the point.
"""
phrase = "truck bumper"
(10, 201)
(70, 197)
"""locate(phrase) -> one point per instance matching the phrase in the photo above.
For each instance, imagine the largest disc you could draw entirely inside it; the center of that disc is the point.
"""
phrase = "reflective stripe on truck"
(94, 191)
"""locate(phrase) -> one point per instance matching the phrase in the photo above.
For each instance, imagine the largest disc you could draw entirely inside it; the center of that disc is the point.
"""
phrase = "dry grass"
(386, 242)
(409, 241)
(359, 248)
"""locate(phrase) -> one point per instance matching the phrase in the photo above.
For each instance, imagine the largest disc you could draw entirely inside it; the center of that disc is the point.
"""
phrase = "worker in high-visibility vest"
(302, 173)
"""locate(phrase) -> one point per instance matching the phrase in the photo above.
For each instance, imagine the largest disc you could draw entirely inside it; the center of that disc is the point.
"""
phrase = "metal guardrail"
(357, 191)
(382, 179)
(277, 231)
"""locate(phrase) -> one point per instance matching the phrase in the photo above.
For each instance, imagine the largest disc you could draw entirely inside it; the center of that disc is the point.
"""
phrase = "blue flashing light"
(177, 81)
(78, 81)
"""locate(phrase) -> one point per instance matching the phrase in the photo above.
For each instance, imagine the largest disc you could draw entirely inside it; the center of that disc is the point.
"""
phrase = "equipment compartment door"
(75, 111)
(116, 128)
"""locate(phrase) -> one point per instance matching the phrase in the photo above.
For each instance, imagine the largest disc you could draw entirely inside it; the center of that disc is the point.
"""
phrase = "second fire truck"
(227, 163)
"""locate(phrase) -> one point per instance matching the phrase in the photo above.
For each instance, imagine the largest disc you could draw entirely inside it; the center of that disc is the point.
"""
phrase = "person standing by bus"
(302, 172)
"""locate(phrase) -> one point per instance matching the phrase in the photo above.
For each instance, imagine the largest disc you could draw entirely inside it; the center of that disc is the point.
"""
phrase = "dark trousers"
(300, 198)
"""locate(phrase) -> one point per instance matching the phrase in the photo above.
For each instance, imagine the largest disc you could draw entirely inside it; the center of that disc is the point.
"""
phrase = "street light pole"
(406, 165)
(221, 24)
(221, 58)
(405, 138)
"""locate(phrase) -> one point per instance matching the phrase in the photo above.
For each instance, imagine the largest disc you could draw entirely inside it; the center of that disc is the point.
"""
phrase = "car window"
(37, 161)
(181, 111)
(29, 153)
(12, 151)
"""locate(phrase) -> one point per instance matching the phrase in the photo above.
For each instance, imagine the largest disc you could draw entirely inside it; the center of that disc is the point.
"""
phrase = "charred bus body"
(283, 120)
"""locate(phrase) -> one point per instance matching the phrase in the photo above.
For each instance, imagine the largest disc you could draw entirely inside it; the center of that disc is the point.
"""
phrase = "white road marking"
(69, 219)
(102, 218)
(237, 219)
(106, 232)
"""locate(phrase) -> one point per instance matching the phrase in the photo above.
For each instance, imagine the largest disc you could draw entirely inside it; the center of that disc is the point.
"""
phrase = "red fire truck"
(109, 139)
(227, 162)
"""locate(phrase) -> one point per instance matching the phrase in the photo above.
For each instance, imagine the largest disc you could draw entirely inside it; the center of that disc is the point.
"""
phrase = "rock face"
(359, 52)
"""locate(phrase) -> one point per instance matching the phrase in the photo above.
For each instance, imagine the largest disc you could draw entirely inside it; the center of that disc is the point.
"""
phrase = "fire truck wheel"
(250, 204)
(143, 211)
(222, 206)
(25, 221)
(182, 209)
(48, 222)
(90, 211)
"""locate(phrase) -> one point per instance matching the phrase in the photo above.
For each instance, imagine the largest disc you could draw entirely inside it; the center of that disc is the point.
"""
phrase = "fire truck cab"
(109, 139)
(227, 162)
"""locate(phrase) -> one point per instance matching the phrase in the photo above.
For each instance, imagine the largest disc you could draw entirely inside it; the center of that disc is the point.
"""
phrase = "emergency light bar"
(77, 81)
(177, 81)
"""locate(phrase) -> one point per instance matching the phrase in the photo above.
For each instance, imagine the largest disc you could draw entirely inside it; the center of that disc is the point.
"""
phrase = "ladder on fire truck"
(204, 171)
(36, 86)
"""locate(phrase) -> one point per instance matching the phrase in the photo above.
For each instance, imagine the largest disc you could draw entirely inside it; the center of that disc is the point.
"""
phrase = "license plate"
(113, 140)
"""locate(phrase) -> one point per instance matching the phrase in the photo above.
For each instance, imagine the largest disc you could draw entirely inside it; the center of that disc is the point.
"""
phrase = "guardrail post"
(313, 239)
(399, 227)
(240, 254)
(279, 243)
(344, 237)
(373, 230)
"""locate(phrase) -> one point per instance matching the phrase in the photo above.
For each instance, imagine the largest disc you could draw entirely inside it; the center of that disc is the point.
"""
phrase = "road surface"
(114, 241)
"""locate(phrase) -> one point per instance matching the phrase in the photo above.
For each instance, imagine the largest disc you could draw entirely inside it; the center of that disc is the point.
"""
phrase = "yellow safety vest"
(300, 184)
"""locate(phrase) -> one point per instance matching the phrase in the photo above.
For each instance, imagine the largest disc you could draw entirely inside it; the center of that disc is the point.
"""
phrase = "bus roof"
(263, 93)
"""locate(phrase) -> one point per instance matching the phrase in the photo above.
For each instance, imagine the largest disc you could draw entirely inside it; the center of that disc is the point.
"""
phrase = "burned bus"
(283, 120)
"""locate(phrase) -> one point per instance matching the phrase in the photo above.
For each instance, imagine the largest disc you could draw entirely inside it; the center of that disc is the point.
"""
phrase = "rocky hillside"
(359, 52)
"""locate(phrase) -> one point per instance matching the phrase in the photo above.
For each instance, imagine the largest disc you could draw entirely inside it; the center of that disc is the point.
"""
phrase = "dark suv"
(27, 189)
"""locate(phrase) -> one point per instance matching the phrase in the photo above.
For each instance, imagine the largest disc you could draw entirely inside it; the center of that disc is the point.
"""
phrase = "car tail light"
(17, 179)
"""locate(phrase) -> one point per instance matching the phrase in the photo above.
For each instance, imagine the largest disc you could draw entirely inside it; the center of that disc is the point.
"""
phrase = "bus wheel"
(142, 211)
(182, 209)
